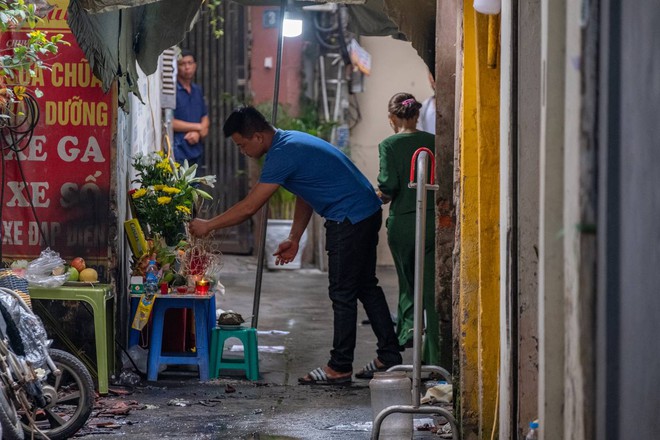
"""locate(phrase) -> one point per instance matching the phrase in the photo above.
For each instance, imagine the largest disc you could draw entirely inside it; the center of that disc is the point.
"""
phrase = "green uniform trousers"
(401, 239)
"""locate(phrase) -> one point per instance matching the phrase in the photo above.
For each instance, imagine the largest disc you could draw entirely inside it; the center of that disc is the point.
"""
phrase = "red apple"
(78, 263)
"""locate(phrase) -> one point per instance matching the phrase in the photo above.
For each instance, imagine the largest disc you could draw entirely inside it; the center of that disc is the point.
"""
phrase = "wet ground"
(295, 324)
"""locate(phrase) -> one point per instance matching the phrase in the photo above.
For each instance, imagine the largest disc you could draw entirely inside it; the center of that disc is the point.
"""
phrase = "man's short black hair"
(246, 121)
(187, 53)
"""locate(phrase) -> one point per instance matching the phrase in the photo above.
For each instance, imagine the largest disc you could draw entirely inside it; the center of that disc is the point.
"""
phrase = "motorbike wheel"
(12, 429)
(72, 400)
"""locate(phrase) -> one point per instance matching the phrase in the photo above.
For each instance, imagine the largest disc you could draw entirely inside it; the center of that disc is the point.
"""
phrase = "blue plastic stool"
(250, 361)
(204, 310)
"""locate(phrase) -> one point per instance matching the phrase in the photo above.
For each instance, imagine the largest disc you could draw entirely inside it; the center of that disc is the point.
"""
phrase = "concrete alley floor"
(179, 406)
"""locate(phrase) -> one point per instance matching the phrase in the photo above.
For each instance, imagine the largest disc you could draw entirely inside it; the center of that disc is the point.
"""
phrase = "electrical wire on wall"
(336, 72)
(18, 120)
(353, 115)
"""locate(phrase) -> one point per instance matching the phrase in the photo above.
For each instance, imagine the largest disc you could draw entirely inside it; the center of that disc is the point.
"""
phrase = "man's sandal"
(318, 376)
(368, 371)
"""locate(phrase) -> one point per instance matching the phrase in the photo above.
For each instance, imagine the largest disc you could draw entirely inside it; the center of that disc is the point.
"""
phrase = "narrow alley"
(295, 324)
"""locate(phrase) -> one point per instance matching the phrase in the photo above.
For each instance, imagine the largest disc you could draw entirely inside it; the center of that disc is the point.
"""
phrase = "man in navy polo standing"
(191, 121)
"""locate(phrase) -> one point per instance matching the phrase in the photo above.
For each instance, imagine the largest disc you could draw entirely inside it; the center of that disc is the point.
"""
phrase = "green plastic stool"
(250, 361)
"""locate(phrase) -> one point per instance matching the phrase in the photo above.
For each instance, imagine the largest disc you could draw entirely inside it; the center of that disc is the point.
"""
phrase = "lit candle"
(202, 286)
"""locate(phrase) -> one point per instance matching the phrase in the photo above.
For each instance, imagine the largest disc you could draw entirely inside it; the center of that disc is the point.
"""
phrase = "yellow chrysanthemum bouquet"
(165, 195)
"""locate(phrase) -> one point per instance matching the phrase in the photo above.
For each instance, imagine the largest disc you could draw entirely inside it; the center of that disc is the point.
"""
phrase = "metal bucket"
(388, 389)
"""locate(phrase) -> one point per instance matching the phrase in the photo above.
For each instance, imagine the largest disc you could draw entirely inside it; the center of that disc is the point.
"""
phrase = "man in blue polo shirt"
(191, 121)
(326, 181)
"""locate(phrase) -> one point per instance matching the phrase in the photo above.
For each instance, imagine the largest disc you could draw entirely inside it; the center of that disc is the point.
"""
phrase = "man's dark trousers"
(352, 274)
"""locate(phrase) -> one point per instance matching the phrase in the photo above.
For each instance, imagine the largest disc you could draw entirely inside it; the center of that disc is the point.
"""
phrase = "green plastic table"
(99, 297)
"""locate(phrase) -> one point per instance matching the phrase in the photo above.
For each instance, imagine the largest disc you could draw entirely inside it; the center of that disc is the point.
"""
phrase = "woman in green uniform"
(395, 155)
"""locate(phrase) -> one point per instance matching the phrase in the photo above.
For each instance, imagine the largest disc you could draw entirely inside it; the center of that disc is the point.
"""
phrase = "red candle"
(202, 286)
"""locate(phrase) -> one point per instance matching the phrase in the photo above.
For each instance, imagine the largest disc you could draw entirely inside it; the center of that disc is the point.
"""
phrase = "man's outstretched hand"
(286, 252)
(199, 227)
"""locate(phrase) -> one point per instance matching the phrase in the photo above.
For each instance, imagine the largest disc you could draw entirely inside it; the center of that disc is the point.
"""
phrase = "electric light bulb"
(488, 6)
(292, 26)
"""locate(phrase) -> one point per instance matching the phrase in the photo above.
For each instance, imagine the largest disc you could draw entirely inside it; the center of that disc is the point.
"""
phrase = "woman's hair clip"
(408, 102)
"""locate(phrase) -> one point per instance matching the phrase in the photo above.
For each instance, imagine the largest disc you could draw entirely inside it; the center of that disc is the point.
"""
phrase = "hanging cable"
(354, 113)
(321, 28)
(331, 34)
(325, 35)
(17, 123)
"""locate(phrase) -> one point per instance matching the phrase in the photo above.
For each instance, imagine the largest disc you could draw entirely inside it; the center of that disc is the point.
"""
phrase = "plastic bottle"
(533, 431)
(151, 278)
(388, 389)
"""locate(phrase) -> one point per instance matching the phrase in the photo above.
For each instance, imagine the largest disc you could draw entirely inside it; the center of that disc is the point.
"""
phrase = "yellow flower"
(166, 194)
(139, 193)
(19, 92)
(183, 209)
(165, 166)
(37, 36)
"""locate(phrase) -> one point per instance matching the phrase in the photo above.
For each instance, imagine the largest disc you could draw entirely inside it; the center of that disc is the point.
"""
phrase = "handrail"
(416, 367)
(413, 161)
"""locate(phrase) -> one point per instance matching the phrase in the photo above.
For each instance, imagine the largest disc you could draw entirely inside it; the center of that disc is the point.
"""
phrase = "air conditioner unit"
(168, 78)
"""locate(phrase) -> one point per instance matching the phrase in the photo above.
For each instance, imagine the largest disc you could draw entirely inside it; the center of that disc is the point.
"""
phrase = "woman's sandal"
(368, 371)
(318, 376)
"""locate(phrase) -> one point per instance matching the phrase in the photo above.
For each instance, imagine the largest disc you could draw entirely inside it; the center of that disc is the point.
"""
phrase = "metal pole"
(418, 316)
(263, 213)
(324, 88)
(419, 160)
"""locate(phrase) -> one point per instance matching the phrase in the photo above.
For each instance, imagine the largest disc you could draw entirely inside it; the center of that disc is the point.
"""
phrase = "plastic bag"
(128, 377)
(218, 291)
(24, 329)
(139, 358)
(39, 272)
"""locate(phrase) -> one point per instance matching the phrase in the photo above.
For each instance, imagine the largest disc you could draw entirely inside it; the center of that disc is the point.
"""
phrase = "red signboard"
(57, 186)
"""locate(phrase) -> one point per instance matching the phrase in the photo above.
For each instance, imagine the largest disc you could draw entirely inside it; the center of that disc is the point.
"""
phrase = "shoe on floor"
(367, 372)
(318, 376)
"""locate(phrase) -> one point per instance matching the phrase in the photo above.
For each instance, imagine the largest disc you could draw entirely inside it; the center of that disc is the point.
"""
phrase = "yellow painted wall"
(479, 237)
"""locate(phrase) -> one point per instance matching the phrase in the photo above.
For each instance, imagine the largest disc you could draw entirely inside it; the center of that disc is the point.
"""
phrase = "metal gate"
(222, 71)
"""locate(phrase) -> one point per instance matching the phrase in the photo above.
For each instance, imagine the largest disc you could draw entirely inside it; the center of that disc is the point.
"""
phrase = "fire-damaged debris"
(108, 407)
(178, 402)
(207, 403)
(128, 377)
(230, 318)
(109, 415)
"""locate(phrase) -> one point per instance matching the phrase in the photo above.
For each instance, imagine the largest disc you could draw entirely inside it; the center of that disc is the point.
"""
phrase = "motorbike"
(44, 393)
